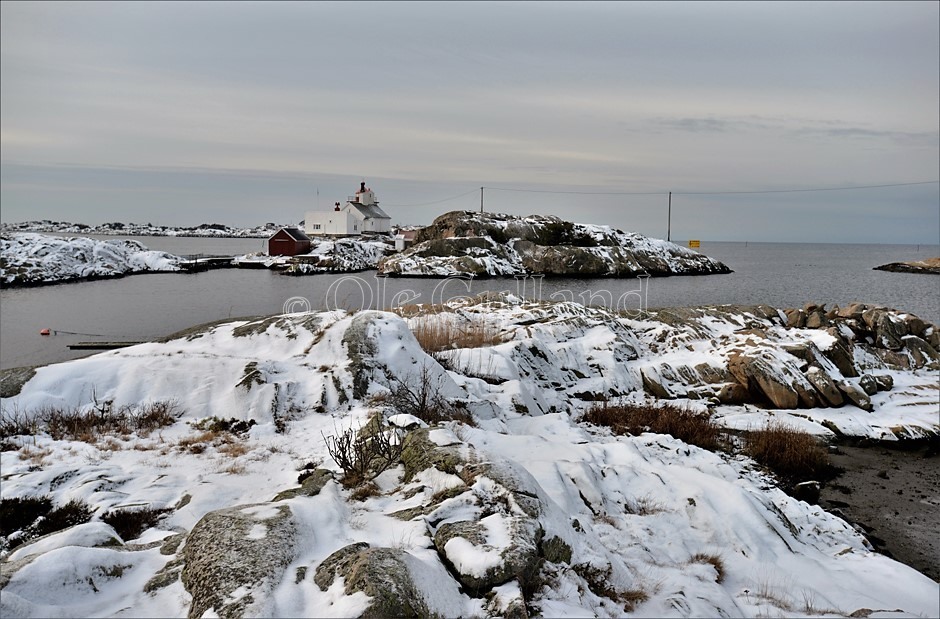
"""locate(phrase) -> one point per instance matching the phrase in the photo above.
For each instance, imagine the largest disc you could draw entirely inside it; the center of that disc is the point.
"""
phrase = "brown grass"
(713, 560)
(792, 454)
(233, 449)
(235, 468)
(682, 423)
(436, 334)
(364, 491)
(632, 597)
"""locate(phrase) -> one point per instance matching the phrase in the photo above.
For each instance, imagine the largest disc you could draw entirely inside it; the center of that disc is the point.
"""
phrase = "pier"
(202, 262)
(101, 345)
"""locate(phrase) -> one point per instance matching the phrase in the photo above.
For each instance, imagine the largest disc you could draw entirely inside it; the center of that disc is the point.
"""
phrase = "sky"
(245, 113)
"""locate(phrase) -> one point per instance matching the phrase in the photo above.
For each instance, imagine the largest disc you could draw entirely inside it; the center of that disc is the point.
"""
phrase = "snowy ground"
(648, 519)
(27, 258)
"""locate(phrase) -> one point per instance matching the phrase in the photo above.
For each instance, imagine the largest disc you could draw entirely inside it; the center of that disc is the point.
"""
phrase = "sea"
(151, 306)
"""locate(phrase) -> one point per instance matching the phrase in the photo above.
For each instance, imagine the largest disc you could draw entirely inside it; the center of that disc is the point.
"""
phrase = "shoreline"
(891, 491)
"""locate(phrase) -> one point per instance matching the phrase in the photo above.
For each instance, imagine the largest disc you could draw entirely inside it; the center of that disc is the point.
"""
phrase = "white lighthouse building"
(360, 214)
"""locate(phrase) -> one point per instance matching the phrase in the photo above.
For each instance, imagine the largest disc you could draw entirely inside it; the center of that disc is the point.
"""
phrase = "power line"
(719, 193)
(711, 193)
(663, 193)
(592, 193)
(436, 201)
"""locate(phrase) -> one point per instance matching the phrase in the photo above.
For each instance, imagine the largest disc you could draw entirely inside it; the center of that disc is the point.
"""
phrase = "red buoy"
(44, 332)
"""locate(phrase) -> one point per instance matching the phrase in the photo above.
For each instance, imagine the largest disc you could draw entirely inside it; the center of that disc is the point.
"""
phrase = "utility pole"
(481, 199)
(669, 220)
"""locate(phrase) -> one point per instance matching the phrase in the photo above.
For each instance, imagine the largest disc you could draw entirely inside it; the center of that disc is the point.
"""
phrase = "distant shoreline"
(930, 266)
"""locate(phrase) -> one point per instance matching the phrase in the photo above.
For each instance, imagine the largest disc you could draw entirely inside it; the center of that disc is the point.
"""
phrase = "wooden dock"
(201, 262)
(101, 345)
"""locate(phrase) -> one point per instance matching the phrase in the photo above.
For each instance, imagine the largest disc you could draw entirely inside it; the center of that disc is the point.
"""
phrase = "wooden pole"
(481, 199)
(669, 220)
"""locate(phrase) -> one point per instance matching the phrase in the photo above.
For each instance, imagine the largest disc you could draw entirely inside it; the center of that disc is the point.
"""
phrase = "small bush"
(72, 513)
(14, 422)
(214, 424)
(420, 395)
(130, 523)
(682, 423)
(794, 455)
(18, 513)
(23, 519)
(364, 456)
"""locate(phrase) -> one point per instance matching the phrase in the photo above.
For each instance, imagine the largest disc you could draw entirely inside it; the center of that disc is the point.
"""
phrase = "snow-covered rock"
(27, 258)
(488, 244)
(527, 511)
(345, 255)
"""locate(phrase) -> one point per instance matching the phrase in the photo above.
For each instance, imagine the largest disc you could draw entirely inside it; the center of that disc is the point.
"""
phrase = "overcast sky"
(242, 113)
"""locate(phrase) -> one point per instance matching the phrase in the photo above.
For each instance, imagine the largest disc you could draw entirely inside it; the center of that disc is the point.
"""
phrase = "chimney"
(362, 186)
(336, 208)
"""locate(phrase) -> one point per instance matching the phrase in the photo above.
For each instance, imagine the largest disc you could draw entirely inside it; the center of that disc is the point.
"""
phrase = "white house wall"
(331, 223)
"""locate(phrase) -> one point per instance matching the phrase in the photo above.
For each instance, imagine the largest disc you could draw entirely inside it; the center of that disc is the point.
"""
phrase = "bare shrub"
(14, 422)
(421, 395)
(682, 423)
(90, 424)
(364, 456)
(794, 455)
(156, 415)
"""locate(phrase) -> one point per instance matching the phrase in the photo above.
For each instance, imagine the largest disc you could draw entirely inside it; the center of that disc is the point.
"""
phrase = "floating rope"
(57, 332)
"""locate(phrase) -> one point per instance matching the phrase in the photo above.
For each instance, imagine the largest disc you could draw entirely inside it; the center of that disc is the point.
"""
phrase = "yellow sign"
(694, 244)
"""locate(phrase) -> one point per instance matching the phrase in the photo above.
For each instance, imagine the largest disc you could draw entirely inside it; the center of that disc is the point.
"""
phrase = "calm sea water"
(149, 306)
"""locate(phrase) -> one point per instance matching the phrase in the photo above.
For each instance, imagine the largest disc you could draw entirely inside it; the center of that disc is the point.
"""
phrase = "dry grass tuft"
(35, 455)
(714, 560)
(436, 334)
(682, 423)
(632, 597)
(235, 468)
(792, 454)
(644, 506)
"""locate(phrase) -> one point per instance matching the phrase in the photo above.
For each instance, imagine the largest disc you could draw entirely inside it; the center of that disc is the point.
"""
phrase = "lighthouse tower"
(364, 196)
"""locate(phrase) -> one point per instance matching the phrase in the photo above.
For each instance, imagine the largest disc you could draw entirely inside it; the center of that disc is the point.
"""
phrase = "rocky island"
(498, 245)
(930, 265)
(28, 259)
(489, 457)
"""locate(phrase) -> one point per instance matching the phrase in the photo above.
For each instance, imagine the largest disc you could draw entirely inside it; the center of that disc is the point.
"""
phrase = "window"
(316, 226)
(355, 227)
